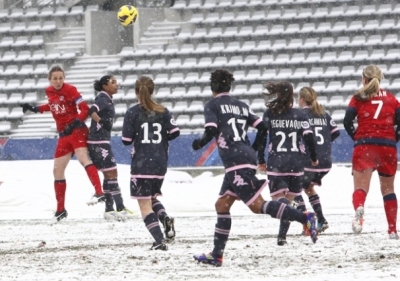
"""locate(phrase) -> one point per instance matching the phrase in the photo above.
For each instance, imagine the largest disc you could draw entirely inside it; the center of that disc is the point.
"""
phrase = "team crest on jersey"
(333, 124)
(61, 98)
(173, 122)
(305, 125)
(239, 181)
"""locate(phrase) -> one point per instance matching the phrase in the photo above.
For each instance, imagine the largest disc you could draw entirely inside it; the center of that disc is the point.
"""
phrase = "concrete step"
(159, 34)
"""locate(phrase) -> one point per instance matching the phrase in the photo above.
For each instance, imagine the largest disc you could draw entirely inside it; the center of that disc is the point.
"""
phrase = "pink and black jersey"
(232, 118)
(106, 111)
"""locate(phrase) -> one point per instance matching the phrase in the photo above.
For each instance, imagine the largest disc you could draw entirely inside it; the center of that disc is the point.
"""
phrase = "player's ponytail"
(98, 84)
(373, 75)
(309, 95)
(144, 88)
(283, 91)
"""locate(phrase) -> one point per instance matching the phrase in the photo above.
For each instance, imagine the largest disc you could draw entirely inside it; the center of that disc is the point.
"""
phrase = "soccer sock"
(316, 205)
(116, 194)
(159, 209)
(359, 197)
(301, 205)
(109, 199)
(285, 224)
(390, 203)
(153, 227)
(93, 175)
(282, 211)
(60, 186)
(221, 234)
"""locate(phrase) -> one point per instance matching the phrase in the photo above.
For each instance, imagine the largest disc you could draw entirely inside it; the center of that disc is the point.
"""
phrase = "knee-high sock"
(221, 234)
(285, 224)
(390, 203)
(93, 175)
(109, 199)
(60, 186)
(159, 209)
(359, 197)
(301, 206)
(279, 210)
(116, 194)
(316, 205)
(153, 227)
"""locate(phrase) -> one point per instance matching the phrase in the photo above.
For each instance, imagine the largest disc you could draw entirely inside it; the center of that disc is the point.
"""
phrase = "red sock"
(359, 196)
(94, 178)
(60, 186)
(390, 203)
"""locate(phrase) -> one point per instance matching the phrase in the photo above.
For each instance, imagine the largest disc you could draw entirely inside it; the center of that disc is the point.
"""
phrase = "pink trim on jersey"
(147, 177)
(335, 129)
(277, 174)
(294, 193)
(317, 170)
(97, 142)
(173, 130)
(284, 190)
(307, 132)
(140, 197)
(230, 193)
(211, 124)
(95, 105)
(222, 94)
(258, 121)
(243, 166)
(251, 201)
(126, 139)
(108, 169)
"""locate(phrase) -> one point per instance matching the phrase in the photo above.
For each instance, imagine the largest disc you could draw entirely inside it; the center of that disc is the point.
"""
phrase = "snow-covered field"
(86, 247)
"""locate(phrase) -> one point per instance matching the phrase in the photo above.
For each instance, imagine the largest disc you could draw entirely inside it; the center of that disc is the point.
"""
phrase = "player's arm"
(128, 134)
(397, 122)
(260, 141)
(348, 121)
(308, 137)
(209, 133)
(83, 108)
(172, 128)
(35, 108)
(105, 124)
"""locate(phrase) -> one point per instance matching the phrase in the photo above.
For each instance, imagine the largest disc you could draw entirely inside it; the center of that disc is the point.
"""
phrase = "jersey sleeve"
(210, 115)
(82, 105)
(170, 122)
(332, 125)
(253, 119)
(128, 129)
(100, 103)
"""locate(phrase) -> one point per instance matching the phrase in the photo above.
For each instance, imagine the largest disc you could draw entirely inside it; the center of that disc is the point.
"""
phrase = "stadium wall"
(181, 152)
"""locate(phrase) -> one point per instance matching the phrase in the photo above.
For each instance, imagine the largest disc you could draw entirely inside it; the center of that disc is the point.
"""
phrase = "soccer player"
(63, 101)
(150, 127)
(227, 120)
(377, 112)
(287, 127)
(325, 131)
(102, 113)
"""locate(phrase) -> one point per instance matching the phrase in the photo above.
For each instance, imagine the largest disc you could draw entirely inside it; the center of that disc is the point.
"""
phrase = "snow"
(86, 247)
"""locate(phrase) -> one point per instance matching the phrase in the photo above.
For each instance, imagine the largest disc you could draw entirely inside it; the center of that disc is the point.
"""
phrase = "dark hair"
(98, 84)
(55, 68)
(144, 88)
(221, 81)
(284, 92)
(310, 97)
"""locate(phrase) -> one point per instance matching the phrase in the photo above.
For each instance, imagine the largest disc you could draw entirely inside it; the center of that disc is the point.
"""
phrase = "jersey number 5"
(156, 132)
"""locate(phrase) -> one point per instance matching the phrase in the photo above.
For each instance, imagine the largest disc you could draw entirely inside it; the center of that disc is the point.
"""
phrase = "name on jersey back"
(229, 108)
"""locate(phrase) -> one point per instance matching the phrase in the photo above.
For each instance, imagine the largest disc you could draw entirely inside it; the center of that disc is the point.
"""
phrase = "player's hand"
(196, 144)
(71, 126)
(315, 163)
(106, 124)
(262, 167)
(27, 106)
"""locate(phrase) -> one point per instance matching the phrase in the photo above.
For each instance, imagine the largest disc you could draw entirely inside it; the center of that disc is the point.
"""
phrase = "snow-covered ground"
(86, 247)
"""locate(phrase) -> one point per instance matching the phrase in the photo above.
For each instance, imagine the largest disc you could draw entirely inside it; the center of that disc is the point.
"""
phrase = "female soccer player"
(287, 126)
(63, 100)
(102, 113)
(325, 131)
(227, 120)
(150, 126)
(377, 112)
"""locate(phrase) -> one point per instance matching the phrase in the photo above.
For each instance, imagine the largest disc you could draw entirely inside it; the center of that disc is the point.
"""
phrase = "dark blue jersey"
(149, 133)
(106, 111)
(232, 118)
(285, 157)
(323, 127)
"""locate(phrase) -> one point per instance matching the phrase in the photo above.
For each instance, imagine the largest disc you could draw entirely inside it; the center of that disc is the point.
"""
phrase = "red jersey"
(376, 117)
(64, 104)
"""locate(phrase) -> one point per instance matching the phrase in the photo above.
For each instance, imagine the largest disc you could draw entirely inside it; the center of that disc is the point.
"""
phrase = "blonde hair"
(374, 75)
(144, 88)
(310, 97)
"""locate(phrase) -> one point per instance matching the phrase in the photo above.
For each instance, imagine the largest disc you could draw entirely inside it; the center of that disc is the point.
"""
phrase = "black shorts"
(313, 178)
(102, 156)
(292, 185)
(145, 188)
(242, 184)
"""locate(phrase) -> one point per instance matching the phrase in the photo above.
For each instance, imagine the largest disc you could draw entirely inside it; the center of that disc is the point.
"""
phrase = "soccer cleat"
(97, 198)
(113, 215)
(58, 216)
(357, 223)
(169, 228)
(161, 246)
(310, 228)
(394, 236)
(127, 214)
(282, 241)
(208, 259)
(322, 226)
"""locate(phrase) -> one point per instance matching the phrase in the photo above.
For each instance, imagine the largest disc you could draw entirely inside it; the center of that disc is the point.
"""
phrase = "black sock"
(153, 227)
(285, 224)
(109, 199)
(221, 234)
(116, 194)
(159, 209)
(316, 205)
(282, 211)
(301, 206)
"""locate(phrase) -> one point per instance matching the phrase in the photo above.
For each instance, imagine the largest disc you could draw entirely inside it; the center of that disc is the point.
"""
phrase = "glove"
(196, 144)
(105, 124)
(27, 106)
(71, 126)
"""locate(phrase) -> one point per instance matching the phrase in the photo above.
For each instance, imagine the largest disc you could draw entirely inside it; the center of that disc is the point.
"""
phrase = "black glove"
(196, 144)
(71, 126)
(27, 106)
(105, 124)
